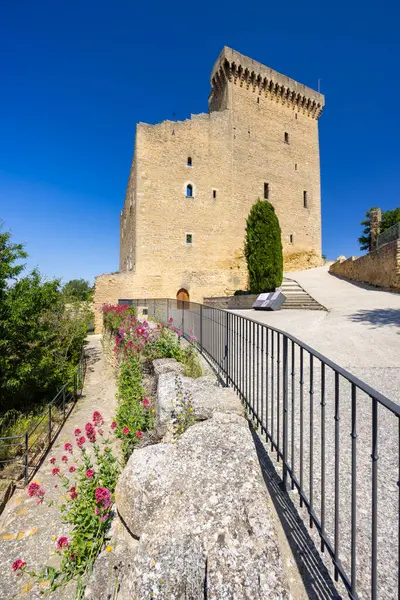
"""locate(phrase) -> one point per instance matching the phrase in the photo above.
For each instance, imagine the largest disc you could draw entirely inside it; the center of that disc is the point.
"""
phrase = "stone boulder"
(200, 511)
(206, 397)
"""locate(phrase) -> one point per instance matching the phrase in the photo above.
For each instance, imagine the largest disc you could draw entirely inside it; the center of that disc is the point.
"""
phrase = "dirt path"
(27, 529)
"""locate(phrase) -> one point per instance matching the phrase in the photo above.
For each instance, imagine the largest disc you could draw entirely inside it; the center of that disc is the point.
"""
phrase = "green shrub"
(40, 336)
(191, 362)
(164, 345)
(133, 415)
(263, 248)
(242, 293)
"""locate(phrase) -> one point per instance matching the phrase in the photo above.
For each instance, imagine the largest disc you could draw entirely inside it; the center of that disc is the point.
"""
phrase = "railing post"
(201, 328)
(26, 459)
(227, 350)
(63, 403)
(49, 432)
(75, 388)
(285, 414)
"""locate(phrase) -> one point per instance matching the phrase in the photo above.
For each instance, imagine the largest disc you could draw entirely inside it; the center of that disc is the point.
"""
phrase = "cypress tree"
(263, 248)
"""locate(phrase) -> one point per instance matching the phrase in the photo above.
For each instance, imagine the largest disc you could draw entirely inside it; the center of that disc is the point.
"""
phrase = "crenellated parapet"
(235, 68)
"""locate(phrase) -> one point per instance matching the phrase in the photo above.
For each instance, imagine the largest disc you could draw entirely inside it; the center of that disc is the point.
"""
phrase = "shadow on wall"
(378, 317)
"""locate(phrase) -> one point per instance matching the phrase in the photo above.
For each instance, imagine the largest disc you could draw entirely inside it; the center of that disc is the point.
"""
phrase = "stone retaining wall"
(240, 302)
(380, 267)
(194, 508)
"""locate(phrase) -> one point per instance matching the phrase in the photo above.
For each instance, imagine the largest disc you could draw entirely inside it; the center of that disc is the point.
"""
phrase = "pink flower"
(113, 425)
(104, 517)
(139, 434)
(62, 542)
(80, 441)
(52, 460)
(33, 489)
(100, 431)
(55, 471)
(64, 458)
(68, 447)
(72, 469)
(77, 432)
(171, 320)
(90, 432)
(89, 473)
(18, 565)
(145, 402)
(73, 493)
(125, 430)
(97, 418)
(103, 496)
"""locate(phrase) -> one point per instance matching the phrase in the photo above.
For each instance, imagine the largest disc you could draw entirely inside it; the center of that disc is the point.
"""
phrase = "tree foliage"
(40, 338)
(78, 289)
(389, 218)
(263, 248)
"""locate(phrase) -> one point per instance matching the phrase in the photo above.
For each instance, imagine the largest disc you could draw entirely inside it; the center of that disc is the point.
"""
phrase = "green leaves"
(40, 336)
(263, 248)
(389, 218)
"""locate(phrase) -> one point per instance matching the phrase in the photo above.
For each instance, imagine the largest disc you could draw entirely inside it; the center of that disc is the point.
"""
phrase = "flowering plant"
(87, 496)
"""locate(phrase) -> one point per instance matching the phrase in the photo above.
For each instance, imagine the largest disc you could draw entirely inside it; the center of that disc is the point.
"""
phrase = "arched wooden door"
(182, 295)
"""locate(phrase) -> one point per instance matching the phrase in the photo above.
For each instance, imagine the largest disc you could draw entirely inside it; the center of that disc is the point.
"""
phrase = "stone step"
(297, 297)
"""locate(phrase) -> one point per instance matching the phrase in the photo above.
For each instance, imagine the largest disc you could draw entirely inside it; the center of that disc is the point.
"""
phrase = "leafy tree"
(389, 218)
(40, 338)
(365, 239)
(78, 289)
(263, 248)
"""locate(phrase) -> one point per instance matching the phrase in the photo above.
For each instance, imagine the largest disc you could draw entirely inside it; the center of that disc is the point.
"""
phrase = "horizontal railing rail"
(24, 452)
(325, 427)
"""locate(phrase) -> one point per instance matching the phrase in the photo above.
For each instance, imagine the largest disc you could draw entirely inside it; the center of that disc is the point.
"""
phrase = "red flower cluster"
(62, 542)
(90, 432)
(72, 469)
(52, 460)
(113, 425)
(139, 434)
(64, 458)
(80, 441)
(125, 430)
(18, 565)
(55, 471)
(68, 447)
(77, 432)
(90, 473)
(35, 491)
(103, 497)
(146, 402)
(73, 493)
(97, 418)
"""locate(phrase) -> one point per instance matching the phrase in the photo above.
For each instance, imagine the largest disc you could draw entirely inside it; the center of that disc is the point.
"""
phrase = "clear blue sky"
(77, 76)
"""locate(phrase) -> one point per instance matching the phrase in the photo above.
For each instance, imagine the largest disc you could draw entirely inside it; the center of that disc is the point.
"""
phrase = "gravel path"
(360, 333)
(26, 529)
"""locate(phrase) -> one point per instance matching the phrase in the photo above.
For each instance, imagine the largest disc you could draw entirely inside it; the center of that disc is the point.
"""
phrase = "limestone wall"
(236, 149)
(380, 267)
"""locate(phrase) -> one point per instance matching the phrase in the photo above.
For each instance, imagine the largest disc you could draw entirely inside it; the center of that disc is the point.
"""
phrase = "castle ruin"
(192, 184)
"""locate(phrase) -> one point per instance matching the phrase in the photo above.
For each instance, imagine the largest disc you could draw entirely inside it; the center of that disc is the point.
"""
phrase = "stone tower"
(192, 184)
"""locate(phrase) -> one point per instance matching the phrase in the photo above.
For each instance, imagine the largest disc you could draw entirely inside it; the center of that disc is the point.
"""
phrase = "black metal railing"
(21, 455)
(327, 429)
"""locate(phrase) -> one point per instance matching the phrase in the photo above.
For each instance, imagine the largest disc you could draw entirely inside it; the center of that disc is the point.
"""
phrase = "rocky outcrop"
(198, 506)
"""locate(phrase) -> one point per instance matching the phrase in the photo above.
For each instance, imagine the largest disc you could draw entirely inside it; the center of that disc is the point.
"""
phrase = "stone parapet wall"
(197, 504)
(380, 267)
